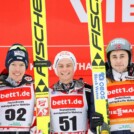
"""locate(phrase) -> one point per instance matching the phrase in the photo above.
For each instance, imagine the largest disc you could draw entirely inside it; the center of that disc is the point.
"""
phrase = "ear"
(107, 65)
(131, 69)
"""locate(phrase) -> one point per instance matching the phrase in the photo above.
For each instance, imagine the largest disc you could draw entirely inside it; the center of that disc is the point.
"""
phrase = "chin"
(17, 79)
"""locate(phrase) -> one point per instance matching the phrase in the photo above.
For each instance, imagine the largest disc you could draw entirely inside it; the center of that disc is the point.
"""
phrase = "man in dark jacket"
(16, 93)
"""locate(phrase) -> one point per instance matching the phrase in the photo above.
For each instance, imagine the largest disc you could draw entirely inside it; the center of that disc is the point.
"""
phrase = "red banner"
(67, 29)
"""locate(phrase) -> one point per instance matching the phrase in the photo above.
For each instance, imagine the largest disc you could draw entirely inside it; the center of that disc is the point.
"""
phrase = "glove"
(96, 120)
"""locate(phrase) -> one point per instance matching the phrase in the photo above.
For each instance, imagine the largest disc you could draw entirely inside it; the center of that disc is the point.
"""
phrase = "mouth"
(16, 74)
(65, 74)
(119, 65)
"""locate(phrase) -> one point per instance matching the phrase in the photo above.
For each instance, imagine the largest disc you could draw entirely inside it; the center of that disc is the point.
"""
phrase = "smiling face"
(17, 70)
(65, 70)
(119, 60)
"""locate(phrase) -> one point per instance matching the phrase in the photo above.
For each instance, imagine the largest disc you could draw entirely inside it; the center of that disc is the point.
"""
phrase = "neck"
(66, 81)
(119, 76)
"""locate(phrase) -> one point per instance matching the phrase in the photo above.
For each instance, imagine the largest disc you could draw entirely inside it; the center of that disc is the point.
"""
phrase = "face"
(119, 60)
(17, 70)
(65, 70)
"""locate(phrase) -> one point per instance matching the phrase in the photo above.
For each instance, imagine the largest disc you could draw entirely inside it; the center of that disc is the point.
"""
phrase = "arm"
(95, 119)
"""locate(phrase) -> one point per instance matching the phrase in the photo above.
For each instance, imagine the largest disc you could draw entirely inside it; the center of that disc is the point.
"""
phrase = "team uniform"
(71, 101)
(16, 104)
(121, 104)
(120, 87)
(16, 93)
(70, 107)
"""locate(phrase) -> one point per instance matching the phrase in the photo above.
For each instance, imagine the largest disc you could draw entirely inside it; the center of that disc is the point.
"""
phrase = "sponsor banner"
(67, 102)
(121, 90)
(125, 111)
(66, 29)
(15, 94)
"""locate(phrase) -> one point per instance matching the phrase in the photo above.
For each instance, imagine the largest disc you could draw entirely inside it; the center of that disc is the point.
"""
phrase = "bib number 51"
(66, 122)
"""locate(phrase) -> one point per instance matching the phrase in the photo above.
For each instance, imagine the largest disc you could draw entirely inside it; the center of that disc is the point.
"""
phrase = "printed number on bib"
(66, 122)
(11, 114)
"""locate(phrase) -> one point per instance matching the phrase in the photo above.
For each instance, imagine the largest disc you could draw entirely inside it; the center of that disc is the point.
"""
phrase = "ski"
(41, 64)
(97, 60)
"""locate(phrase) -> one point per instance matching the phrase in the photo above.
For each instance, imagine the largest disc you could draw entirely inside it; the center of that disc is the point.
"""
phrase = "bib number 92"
(66, 123)
(12, 114)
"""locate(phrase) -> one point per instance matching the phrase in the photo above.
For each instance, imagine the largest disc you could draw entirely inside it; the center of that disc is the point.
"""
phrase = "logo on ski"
(42, 107)
(98, 61)
(41, 87)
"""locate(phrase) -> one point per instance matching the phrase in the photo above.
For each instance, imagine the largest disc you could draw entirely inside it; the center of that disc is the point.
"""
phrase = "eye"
(60, 66)
(114, 57)
(68, 65)
(12, 64)
(122, 56)
(22, 65)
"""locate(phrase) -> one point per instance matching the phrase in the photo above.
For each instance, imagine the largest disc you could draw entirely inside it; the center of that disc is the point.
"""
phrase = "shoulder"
(55, 87)
(81, 83)
(3, 77)
(27, 79)
(88, 88)
(3, 81)
(86, 85)
(109, 74)
(131, 69)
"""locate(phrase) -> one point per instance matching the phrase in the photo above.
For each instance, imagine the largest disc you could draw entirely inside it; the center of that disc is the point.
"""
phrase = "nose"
(64, 68)
(118, 60)
(17, 68)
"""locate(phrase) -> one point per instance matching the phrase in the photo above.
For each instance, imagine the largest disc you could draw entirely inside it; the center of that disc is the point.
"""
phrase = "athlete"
(120, 80)
(16, 93)
(71, 102)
